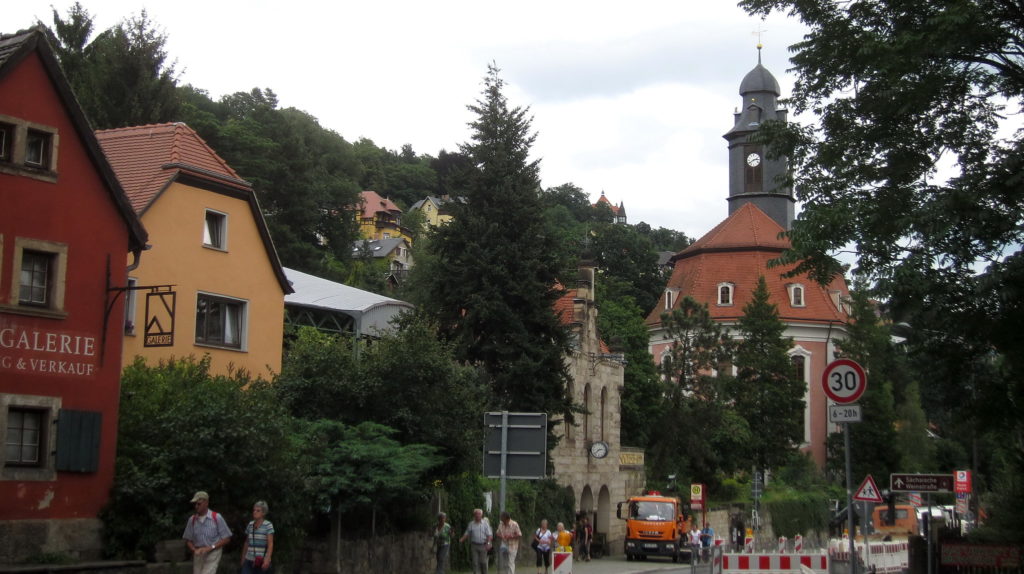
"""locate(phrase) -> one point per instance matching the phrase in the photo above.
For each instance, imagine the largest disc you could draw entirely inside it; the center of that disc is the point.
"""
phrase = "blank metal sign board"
(526, 448)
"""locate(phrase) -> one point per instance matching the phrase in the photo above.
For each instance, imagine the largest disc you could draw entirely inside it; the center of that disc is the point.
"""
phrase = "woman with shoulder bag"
(543, 540)
(259, 541)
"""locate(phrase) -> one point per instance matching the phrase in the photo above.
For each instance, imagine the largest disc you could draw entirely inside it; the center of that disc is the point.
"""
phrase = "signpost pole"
(867, 542)
(504, 460)
(849, 498)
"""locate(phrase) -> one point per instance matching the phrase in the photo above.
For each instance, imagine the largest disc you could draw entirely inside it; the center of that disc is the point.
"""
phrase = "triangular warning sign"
(868, 491)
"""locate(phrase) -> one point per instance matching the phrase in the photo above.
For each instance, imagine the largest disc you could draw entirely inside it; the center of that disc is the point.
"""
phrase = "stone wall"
(387, 554)
(76, 538)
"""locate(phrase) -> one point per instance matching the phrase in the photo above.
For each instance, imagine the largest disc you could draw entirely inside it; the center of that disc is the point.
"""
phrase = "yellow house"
(212, 283)
(435, 209)
(380, 218)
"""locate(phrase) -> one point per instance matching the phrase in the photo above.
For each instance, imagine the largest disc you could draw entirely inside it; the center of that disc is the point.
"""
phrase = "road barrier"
(774, 563)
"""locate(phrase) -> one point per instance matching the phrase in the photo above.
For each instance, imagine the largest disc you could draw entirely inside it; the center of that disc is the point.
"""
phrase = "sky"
(629, 101)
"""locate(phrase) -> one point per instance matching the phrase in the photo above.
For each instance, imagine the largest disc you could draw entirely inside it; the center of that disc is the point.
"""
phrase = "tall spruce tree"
(697, 437)
(492, 276)
(766, 391)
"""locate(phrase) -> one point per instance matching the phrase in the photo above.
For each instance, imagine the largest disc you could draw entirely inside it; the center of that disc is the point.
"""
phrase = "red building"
(66, 232)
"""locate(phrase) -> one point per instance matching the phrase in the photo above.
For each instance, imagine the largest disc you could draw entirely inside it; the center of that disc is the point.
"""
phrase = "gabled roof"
(616, 209)
(737, 252)
(148, 159)
(380, 247)
(14, 48)
(373, 203)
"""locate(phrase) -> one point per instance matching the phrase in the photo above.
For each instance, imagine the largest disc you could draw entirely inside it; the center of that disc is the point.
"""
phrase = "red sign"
(844, 381)
(962, 481)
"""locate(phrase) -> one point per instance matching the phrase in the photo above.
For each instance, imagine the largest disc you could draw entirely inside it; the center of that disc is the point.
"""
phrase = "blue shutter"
(78, 440)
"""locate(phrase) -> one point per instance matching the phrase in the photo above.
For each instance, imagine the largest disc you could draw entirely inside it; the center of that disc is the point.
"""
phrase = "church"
(721, 269)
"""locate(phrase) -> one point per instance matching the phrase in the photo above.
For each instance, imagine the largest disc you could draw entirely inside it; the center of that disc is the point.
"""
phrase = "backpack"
(213, 515)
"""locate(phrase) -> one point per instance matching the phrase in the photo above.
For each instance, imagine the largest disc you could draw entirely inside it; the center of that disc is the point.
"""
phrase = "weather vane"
(759, 32)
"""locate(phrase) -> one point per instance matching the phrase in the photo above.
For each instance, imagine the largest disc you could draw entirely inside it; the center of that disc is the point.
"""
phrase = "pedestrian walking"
(258, 549)
(479, 534)
(543, 541)
(442, 542)
(206, 533)
(509, 535)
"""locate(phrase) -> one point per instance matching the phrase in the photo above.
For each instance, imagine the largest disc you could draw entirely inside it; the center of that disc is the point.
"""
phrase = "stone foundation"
(76, 538)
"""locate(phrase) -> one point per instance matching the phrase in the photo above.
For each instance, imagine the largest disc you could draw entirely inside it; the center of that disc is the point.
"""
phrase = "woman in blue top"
(259, 541)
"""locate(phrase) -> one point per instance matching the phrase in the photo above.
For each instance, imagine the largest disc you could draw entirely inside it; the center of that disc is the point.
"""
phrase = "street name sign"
(868, 491)
(844, 381)
(844, 414)
(921, 482)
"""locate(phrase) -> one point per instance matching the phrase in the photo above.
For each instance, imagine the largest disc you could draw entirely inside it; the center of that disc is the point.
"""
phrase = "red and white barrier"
(774, 563)
(886, 557)
(748, 544)
(561, 563)
(798, 544)
(782, 544)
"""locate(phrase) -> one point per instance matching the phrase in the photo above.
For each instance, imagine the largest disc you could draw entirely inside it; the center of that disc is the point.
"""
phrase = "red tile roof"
(147, 158)
(604, 200)
(373, 203)
(737, 251)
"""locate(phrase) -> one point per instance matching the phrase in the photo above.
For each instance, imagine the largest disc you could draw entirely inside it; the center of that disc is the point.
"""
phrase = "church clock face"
(599, 449)
(753, 160)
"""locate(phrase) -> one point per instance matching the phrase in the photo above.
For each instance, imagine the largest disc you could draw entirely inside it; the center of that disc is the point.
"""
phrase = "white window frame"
(800, 351)
(56, 277)
(670, 299)
(732, 294)
(794, 289)
(50, 407)
(243, 322)
(208, 239)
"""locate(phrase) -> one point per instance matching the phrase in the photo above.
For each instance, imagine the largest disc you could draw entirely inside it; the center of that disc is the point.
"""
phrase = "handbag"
(534, 543)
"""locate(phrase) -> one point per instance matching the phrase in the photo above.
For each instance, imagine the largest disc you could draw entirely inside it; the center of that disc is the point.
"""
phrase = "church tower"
(753, 178)
(722, 268)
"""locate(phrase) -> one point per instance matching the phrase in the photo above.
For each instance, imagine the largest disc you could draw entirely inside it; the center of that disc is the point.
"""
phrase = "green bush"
(182, 430)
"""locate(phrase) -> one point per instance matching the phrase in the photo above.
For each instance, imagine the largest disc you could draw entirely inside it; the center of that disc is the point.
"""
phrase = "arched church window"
(725, 292)
(796, 295)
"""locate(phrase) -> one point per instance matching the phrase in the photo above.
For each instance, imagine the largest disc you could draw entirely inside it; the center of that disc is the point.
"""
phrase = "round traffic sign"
(844, 381)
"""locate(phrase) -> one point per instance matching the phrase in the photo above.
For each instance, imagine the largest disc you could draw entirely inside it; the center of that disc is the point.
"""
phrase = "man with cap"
(206, 533)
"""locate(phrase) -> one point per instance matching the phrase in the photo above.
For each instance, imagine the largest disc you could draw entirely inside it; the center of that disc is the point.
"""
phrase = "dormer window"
(670, 299)
(725, 294)
(796, 295)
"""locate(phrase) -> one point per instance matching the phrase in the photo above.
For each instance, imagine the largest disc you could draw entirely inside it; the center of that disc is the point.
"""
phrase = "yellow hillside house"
(212, 282)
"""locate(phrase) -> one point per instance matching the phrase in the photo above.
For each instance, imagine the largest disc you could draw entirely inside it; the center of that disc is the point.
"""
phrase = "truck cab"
(655, 526)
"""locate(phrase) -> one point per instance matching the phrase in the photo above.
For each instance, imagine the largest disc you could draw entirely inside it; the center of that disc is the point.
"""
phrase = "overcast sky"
(627, 98)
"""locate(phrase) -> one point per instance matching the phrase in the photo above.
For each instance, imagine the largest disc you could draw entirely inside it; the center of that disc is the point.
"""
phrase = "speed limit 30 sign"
(844, 381)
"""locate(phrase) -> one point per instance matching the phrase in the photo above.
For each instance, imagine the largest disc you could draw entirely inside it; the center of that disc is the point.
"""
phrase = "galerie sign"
(41, 351)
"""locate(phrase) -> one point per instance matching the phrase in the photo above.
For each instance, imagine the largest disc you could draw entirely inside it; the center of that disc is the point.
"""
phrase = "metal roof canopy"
(369, 311)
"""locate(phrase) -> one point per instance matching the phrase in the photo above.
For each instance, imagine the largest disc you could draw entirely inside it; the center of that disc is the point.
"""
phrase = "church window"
(796, 295)
(725, 294)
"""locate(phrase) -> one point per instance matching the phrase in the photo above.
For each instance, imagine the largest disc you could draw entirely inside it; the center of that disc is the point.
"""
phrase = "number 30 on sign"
(844, 381)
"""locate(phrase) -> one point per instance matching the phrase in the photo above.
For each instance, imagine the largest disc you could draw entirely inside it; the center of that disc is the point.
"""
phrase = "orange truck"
(655, 526)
